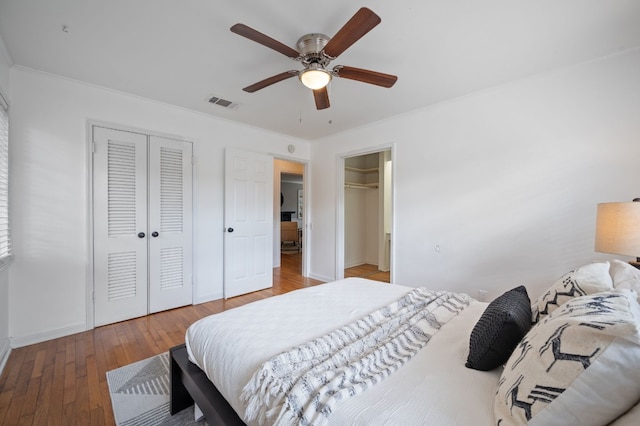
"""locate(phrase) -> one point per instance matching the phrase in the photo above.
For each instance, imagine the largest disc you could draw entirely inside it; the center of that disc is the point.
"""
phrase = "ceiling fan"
(316, 51)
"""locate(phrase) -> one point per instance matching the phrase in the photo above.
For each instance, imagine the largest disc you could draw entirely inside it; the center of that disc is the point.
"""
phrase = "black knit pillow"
(496, 334)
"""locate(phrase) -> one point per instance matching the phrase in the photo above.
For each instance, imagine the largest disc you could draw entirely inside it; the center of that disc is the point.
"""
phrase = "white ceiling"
(181, 52)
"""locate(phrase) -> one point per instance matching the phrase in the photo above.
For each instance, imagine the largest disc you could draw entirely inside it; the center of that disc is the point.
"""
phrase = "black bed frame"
(190, 384)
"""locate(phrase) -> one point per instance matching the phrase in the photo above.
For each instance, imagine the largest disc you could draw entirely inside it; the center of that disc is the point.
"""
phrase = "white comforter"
(433, 388)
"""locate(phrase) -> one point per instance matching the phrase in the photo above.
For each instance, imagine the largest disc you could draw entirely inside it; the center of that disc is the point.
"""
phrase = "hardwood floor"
(63, 381)
(368, 271)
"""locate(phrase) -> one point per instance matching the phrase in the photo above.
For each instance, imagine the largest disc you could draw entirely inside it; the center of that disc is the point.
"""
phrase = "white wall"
(360, 226)
(49, 179)
(355, 226)
(505, 181)
(5, 63)
(372, 230)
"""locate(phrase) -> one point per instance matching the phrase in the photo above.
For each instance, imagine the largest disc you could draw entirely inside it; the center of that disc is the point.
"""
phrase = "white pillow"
(630, 418)
(625, 275)
(579, 366)
(587, 279)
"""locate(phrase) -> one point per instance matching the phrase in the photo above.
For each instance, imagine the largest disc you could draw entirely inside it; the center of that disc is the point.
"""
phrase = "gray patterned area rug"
(140, 395)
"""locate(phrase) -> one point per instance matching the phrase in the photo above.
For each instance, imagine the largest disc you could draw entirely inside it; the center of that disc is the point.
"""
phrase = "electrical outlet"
(482, 295)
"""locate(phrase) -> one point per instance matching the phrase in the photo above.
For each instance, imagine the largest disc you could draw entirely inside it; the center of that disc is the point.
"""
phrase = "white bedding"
(433, 388)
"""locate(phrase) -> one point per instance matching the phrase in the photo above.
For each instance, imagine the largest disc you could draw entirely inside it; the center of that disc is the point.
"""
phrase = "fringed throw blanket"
(303, 385)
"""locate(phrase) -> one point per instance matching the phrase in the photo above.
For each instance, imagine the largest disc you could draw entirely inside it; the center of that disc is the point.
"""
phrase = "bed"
(223, 352)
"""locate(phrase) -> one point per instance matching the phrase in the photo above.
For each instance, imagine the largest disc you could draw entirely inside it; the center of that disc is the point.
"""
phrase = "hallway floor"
(370, 272)
(291, 265)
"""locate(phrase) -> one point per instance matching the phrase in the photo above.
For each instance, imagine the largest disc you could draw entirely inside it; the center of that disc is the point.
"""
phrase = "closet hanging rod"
(361, 185)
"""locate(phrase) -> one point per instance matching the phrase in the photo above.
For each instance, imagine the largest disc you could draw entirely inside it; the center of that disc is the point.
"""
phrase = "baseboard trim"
(30, 339)
(354, 264)
(5, 351)
(321, 278)
(207, 298)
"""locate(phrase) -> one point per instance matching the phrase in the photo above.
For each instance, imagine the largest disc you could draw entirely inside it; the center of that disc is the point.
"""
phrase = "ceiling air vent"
(222, 102)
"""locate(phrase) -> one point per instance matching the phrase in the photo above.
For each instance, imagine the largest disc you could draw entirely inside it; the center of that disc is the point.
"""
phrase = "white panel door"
(248, 215)
(120, 225)
(170, 224)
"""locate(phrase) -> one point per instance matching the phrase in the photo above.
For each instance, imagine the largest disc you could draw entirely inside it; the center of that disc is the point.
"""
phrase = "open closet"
(367, 215)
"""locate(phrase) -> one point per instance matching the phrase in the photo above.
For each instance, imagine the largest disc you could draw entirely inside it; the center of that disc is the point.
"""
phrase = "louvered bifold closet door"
(120, 225)
(170, 224)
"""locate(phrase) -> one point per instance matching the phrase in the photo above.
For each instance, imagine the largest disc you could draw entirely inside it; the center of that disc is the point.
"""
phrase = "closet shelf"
(359, 170)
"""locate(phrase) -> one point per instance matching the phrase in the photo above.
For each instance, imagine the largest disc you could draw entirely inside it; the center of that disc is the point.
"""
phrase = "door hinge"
(194, 161)
(93, 147)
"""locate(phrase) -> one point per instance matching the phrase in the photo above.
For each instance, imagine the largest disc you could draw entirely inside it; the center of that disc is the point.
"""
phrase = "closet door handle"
(141, 235)
(154, 234)
(229, 229)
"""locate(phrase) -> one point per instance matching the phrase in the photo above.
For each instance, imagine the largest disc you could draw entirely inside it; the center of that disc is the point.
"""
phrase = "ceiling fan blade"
(366, 76)
(361, 23)
(264, 40)
(269, 81)
(321, 97)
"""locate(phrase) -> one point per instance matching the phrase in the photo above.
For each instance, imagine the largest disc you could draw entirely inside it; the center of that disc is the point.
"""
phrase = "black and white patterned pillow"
(587, 279)
(580, 365)
(501, 326)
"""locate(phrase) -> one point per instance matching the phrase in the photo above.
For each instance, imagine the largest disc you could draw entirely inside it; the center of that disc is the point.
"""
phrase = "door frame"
(90, 286)
(340, 164)
(306, 234)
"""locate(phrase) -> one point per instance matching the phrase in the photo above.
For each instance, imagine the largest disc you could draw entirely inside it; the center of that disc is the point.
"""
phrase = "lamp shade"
(315, 77)
(618, 228)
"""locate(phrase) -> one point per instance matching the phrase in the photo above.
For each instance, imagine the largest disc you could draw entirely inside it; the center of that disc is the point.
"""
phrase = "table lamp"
(618, 229)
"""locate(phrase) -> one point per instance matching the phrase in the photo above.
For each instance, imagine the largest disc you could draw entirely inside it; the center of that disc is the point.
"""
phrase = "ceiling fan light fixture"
(315, 52)
(315, 77)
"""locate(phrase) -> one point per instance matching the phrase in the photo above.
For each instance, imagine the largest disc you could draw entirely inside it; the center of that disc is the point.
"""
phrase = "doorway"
(367, 215)
(289, 215)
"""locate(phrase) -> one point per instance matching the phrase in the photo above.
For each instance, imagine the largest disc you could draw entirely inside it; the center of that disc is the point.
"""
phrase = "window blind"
(5, 233)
